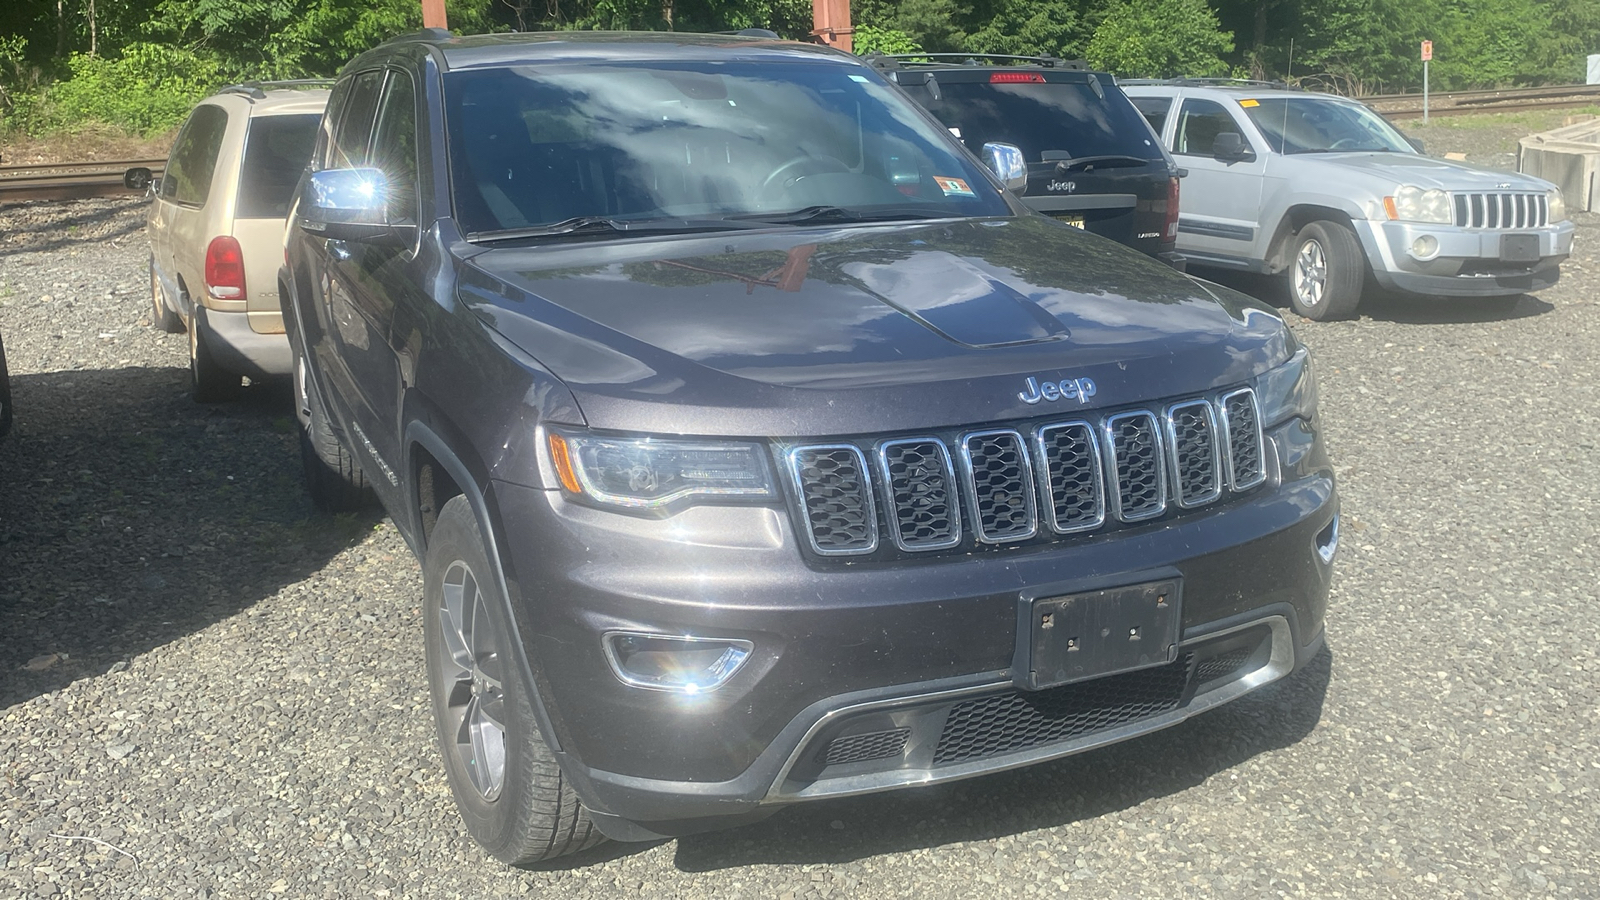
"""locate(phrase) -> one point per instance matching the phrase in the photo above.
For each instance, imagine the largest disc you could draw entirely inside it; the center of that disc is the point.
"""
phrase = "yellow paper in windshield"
(1249, 103)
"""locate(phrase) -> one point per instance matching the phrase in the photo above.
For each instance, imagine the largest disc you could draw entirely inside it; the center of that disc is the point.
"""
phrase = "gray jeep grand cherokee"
(759, 447)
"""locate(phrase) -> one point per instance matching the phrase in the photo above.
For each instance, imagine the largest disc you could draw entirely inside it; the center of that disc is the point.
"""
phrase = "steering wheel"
(1343, 143)
(790, 172)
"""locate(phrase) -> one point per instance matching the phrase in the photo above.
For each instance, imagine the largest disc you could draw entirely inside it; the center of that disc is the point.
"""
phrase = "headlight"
(1413, 204)
(1558, 206)
(1288, 391)
(654, 474)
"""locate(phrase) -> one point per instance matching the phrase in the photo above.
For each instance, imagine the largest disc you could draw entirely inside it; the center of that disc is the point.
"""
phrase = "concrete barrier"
(1568, 156)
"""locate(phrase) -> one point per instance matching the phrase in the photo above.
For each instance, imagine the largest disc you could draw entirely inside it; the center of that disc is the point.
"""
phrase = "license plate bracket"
(1073, 219)
(1076, 637)
(1519, 247)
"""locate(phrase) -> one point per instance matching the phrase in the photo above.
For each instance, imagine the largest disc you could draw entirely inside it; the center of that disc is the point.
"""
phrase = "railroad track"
(1457, 103)
(69, 181)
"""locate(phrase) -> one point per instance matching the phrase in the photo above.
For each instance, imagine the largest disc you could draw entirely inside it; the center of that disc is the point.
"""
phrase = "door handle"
(339, 250)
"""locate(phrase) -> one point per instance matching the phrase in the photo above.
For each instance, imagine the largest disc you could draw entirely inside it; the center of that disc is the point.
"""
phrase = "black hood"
(816, 331)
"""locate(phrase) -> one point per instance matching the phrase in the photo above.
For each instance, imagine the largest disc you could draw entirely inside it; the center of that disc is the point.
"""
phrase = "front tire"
(1328, 272)
(511, 793)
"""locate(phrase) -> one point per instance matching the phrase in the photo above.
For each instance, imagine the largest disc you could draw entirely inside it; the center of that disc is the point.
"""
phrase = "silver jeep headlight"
(1558, 205)
(1288, 391)
(1414, 204)
(651, 474)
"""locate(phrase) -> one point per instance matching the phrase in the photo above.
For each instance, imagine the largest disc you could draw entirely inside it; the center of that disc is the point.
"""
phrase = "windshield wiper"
(584, 225)
(1111, 161)
(824, 213)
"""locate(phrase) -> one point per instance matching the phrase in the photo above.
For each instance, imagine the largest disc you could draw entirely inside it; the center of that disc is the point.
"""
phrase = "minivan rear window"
(276, 150)
(1054, 117)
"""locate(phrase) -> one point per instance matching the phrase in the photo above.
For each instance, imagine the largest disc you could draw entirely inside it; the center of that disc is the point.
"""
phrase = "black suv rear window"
(1063, 117)
(276, 150)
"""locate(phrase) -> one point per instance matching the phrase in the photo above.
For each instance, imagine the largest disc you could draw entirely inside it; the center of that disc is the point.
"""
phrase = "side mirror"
(138, 178)
(1005, 160)
(350, 205)
(1230, 147)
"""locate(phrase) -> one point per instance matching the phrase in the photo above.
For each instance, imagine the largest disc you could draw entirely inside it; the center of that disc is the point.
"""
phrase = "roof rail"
(767, 33)
(257, 90)
(1206, 81)
(900, 60)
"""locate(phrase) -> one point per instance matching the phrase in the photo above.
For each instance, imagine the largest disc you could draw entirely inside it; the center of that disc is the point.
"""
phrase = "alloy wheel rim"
(1310, 274)
(473, 682)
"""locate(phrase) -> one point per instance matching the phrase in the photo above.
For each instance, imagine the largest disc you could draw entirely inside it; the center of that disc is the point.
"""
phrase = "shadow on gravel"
(131, 516)
(1388, 306)
(1049, 795)
(68, 231)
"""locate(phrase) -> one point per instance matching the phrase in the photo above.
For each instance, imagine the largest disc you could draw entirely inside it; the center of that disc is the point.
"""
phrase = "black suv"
(759, 447)
(1092, 159)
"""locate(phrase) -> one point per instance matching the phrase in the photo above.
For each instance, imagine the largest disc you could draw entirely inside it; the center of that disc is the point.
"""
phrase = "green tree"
(1160, 39)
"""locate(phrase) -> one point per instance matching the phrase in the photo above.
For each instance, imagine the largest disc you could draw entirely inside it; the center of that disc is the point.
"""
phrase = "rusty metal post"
(433, 14)
(830, 21)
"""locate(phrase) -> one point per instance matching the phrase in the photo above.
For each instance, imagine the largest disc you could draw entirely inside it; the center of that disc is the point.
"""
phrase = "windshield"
(1050, 121)
(1319, 125)
(632, 142)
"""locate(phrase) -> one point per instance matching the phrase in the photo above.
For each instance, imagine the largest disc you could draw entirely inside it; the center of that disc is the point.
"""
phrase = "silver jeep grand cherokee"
(1325, 190)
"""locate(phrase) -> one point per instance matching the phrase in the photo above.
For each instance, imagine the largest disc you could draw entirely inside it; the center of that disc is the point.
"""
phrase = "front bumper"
(883, 656)
(1467, 263)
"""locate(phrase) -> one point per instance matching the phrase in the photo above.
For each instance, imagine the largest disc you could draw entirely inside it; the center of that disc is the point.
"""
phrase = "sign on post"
(1427, 54)
(1427, 50)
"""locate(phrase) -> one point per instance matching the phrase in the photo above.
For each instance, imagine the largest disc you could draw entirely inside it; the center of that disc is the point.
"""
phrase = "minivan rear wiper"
(1110, 161)
(605, 224)
(824, 213)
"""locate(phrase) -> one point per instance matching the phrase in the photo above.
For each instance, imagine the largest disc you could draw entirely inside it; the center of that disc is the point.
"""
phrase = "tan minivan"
(216, 229)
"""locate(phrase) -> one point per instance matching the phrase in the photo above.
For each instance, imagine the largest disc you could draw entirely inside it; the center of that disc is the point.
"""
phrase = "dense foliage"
(139, 64)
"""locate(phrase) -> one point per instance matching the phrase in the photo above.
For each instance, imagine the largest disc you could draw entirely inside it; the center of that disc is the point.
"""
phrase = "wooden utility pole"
(433, 14)
(830, 23)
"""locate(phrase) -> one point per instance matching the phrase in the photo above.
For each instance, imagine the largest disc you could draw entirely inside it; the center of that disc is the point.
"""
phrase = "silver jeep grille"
(1498, 210)
(1004, 485)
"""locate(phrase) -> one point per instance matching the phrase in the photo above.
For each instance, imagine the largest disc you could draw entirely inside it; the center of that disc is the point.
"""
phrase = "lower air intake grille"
(1018, 720)
(863, 747)
(1221, 665)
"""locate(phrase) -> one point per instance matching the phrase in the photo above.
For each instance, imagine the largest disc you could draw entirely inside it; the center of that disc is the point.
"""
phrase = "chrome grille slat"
(1069, 470)
(1192, 453)
(1502, 210)
(832, 483)
(920, 494)
(999, 481)
(1135, 466)
(1241, 435)
(998, 486)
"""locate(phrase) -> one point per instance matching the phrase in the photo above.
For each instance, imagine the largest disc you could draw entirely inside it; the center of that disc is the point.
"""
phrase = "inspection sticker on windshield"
(1249, 103)
(953, 187)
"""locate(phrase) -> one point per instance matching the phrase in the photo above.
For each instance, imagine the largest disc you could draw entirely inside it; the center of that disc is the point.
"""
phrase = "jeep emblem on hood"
(1080, 389)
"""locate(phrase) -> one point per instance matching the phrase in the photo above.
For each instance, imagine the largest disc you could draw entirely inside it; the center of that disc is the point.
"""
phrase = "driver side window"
(1199, 123)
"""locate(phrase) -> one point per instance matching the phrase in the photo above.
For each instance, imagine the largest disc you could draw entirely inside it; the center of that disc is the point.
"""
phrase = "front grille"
(1017, 720)
(1004, 485)
(864, 747)
(1502, 210)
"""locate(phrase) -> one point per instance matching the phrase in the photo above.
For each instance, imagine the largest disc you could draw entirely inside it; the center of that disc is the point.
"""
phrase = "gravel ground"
(206, 690)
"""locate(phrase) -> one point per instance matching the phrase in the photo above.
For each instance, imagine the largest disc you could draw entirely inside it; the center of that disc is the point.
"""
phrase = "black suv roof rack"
(1216, 82)
(257, 90)
(909, 60)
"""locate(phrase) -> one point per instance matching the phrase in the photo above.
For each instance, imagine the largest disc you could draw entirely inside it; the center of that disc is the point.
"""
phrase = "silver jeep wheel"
(1328, 272)
(1310, 274)
(474, 681)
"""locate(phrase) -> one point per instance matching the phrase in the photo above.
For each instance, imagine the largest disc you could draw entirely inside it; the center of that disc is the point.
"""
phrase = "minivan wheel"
(1329, 269)
(209, 382)
(162, 318)
(507, 785)
(333, 477)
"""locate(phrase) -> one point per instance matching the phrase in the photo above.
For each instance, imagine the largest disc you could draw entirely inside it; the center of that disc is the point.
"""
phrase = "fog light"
(1425, 247)
(686, 665)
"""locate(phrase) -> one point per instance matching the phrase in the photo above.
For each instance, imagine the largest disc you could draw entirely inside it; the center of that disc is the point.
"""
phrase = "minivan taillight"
(225, 269)
(1172, 209)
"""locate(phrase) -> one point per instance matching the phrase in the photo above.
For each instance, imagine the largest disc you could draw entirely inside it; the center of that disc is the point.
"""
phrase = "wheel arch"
(1280, 252)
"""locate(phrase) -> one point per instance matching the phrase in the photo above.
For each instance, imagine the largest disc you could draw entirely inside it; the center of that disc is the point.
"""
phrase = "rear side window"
(354, 129)
(187, 179)
(276, 151)
(1067, 120)
(1154, 110)
(1199, 123)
